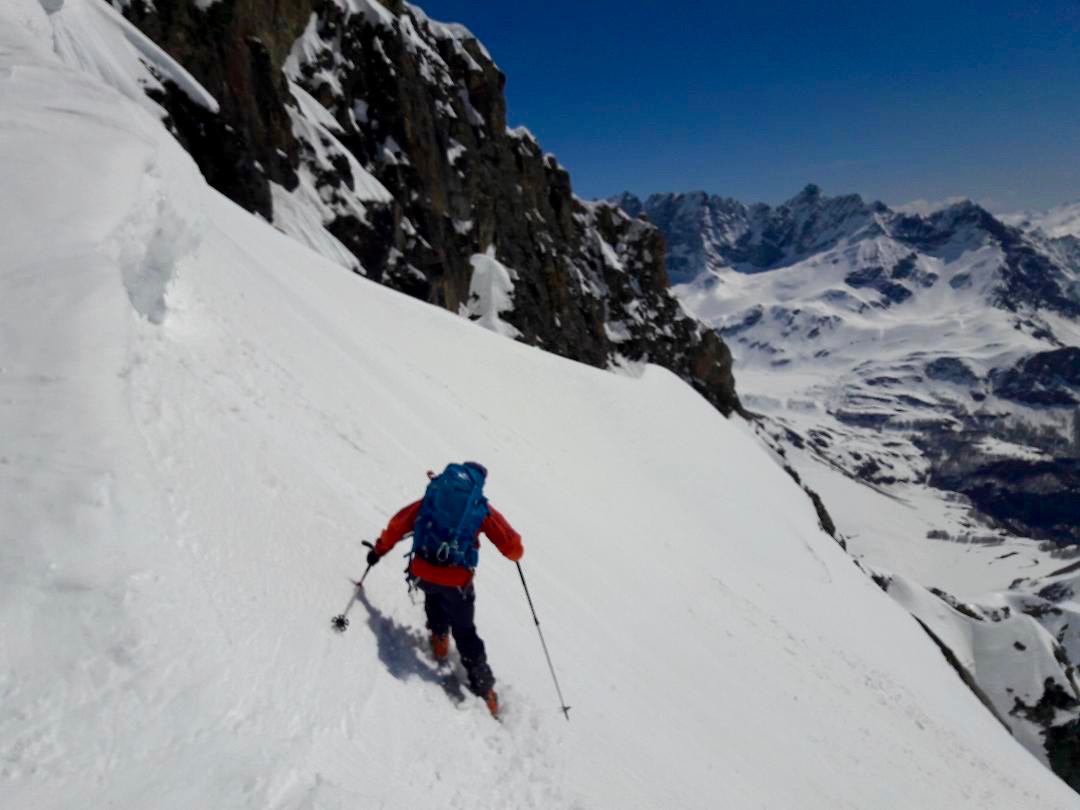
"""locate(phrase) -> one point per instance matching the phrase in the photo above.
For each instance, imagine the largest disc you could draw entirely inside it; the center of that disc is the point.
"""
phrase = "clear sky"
(895, 100)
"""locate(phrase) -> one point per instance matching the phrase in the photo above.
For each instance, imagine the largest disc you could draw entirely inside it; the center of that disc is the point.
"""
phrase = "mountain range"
(939, 349)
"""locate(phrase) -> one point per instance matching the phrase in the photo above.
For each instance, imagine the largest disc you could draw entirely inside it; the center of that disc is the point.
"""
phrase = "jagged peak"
(813, 197)
(452, 31)
(964, 211)
(628, 202)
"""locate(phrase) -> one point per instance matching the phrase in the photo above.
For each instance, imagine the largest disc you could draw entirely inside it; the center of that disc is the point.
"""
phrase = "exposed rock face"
(952, 370)
(1063, 751)
(235, 48)
(1046, 378)
(379, 137)
(1076, 434)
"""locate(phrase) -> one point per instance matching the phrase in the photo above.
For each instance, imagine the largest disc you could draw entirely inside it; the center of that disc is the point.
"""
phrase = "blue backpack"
(453, 509)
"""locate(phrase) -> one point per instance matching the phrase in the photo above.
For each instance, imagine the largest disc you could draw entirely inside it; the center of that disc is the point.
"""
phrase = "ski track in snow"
(515, 756)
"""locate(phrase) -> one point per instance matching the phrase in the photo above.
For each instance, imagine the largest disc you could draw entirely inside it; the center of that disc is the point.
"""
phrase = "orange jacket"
(495, 526)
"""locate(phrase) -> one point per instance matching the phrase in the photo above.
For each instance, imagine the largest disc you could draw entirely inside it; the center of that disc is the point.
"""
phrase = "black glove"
(373, 557)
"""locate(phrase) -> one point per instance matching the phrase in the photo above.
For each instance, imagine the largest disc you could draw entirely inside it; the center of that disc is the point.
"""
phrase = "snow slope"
(201, 419)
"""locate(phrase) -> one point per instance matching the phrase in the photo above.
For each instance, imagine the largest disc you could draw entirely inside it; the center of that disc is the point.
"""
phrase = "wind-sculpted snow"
(1018, 649)
(491, 292)
(181, 505)
(91, 35)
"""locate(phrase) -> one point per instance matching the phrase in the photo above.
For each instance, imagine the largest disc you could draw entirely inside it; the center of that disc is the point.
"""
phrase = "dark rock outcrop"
(235, 48)
(1063, 752)
(952, 370)
(326, 99)
(892, 292)
(1047, 378)
(1041, 498)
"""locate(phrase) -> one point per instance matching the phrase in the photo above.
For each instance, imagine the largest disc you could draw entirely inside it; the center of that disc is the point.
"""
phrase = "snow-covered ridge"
(1017, 648)
(92, 36)
(1054, 223)
(716, 234)
(713, 232)
(183, 498)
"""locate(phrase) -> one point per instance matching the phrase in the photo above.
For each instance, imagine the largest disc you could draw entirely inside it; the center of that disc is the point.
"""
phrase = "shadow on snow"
(402, 651)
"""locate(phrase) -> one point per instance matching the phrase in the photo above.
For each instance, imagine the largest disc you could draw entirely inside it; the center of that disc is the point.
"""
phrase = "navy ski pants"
(452, 610)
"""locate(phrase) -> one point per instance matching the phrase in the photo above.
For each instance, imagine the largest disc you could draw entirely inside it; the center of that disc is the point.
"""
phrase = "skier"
(445, 524)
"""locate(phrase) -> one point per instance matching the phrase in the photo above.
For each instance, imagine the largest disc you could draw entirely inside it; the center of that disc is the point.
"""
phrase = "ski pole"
(341, 621)
(565, 709)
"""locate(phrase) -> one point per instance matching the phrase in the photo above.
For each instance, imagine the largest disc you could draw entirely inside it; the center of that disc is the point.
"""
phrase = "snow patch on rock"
(491, 294)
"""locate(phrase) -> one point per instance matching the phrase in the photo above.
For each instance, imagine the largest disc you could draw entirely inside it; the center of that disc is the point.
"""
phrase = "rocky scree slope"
(939, 349)
(378, 136)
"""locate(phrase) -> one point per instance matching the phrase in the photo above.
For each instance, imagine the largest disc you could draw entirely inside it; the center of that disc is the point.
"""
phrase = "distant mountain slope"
(706, 232)
(941, 349)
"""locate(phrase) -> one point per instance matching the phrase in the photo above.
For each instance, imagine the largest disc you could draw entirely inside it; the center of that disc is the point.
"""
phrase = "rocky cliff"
(235, 49)
(379, 137)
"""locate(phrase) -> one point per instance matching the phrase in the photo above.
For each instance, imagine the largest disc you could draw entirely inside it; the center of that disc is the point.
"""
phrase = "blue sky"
(897, 101)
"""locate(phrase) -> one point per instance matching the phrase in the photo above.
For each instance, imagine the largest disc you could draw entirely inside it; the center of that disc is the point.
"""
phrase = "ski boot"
(492, 701)
(440, 646)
